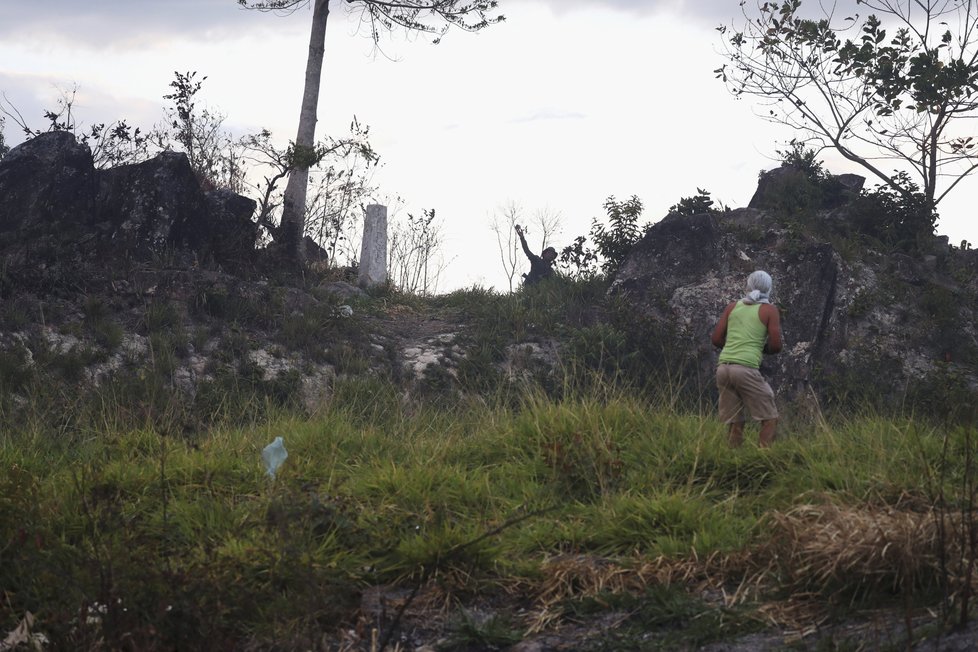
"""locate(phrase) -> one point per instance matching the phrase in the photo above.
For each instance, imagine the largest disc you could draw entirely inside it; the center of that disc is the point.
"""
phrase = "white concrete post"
(373, 252)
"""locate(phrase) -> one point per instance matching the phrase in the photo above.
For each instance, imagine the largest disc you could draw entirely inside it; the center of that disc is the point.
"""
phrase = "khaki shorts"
(742, 386)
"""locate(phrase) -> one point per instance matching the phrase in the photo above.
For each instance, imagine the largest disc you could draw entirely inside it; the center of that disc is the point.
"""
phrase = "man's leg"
(731, 407)
(759, 397)
(767, 432)
(735, 436)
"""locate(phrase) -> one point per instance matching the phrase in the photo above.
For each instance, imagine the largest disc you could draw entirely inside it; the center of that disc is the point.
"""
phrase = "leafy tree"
(897, 221)
(429, 16)
(877, 96)
(578, 260)
(614, 241)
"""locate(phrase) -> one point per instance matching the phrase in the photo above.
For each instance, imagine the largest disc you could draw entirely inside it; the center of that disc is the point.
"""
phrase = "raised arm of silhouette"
(541, 266)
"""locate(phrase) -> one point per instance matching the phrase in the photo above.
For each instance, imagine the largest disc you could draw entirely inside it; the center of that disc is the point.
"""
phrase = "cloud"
(700, 10)
(109, 23)
(703, 12)
(25, 98)
(634, 6)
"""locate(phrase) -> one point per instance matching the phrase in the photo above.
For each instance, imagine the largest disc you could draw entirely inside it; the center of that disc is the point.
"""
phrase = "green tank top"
(746, 335)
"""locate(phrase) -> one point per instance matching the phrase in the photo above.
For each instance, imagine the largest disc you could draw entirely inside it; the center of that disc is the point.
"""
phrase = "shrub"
(99, 323)
(579, 261)
(804, 159)
(794, 194)
(161, 316)
(903, 221)
(698, 204)
(15, 369)
(802, 186)
(615, 241)
(17, 314)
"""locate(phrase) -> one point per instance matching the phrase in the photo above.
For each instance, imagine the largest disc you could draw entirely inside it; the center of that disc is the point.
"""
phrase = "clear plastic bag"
(273, 455)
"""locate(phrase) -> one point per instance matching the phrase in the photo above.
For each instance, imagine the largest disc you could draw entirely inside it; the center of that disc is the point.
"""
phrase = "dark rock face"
(684, 249)
(150, 206)
(47, 180)
(786, 185)
(853, 321)
(57, 210)
(233, 235)
(771, 184)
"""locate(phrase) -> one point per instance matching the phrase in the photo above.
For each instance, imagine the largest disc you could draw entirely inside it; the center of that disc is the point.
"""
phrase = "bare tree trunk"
(504, 226)
(550, 225)
(294, 200)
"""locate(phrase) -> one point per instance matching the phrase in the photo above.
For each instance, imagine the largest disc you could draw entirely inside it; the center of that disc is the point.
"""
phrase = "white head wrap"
(758, 288)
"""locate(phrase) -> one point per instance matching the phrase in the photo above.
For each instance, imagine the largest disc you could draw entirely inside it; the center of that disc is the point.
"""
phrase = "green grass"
(134, 516)
(184, 543)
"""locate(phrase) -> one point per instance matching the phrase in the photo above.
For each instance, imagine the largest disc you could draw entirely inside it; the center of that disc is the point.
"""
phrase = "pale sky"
(562, 105)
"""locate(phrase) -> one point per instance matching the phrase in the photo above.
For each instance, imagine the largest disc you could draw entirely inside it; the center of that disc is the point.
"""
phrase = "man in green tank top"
(747, 329)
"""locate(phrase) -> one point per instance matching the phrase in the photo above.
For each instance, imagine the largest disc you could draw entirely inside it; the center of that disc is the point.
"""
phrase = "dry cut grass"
(816, 556)
(861, 549)
(580, 577)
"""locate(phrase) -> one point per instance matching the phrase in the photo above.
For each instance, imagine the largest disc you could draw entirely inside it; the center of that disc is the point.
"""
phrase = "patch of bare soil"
(540, 616)
(406, 326)
(435, 621)
(875, 630)
(871, 631)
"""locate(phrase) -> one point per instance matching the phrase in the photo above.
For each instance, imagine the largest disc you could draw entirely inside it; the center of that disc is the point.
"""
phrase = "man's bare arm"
(772, 319)
(719, 335)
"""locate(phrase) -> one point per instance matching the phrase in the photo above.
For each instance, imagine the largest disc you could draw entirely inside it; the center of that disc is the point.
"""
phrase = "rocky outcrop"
(45, 181)
(151, 206)
(113, 269)
(58, 210)
(786, 185)
(854, 320)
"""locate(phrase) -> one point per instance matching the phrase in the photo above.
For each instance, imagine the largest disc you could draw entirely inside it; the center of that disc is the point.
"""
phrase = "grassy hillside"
(474, 518)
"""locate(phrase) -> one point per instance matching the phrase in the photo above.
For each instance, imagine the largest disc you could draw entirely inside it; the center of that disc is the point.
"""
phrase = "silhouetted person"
(747, 329)
(541, 266)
